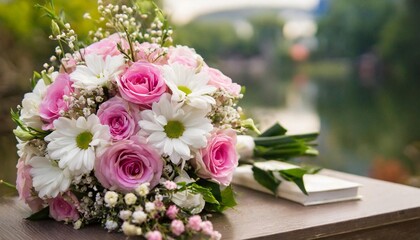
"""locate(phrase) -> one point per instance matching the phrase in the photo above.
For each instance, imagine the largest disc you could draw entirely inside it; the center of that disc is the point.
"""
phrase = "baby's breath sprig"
(226, 113)
(63, 33)
(142, 22)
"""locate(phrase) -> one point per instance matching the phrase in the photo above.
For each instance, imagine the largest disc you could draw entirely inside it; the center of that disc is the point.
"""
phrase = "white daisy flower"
(47, 178)
(188, 86)
(175, 130)
(74, 142)
(97, 71)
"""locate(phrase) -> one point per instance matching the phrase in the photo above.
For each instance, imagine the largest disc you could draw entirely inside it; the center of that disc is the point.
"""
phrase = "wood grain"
(387, 211)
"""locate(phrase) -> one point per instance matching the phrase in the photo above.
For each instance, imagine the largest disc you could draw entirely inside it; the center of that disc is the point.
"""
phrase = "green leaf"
(145, 6)
(35, 77)
(205, 192)
(275, 130)
(243, 90)
(295, 175)
(41, 215)
(225, 198)
(277, 140)
(47, 79)
(35, 133)
(312, 170)
(22, 134)
(266, 179)
(55, 29)
(228, 197)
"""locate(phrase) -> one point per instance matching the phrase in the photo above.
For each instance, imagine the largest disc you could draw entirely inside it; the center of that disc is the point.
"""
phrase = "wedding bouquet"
(127, 130)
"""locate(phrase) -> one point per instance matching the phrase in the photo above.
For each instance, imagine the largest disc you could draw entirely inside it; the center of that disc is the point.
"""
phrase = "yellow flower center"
(174, 129)
(83, 140)
(185, 89)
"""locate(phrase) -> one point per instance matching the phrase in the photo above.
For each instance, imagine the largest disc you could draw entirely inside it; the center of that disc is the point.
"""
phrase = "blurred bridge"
(184, 11)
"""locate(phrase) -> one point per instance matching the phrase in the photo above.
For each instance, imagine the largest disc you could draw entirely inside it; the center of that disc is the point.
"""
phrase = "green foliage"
(211, 40)
(24, 132)
(205, 192)
(271, 179)
(351, 28)
(295, 175)
(225, 198)
(400, 46)
(30, 23)
(266, 179)
(40, 215)
(275, 144)
(274, 130)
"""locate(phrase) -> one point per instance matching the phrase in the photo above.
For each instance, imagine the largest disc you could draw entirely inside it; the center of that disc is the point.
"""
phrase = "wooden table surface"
(387, 211)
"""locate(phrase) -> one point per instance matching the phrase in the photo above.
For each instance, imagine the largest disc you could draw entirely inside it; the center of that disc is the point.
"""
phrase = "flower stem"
(7, 184)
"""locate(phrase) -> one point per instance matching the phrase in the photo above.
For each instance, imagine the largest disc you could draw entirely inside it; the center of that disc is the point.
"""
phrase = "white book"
(321, 189)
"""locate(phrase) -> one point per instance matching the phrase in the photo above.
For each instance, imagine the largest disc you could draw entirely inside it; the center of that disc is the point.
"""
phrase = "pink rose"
(24, 187)
(219, 158)
(150, 52)
(128, 163)
(185, 56)
(53, 102)
(108, 46)
(64, 207)
(219, 80)
(120, 116)
(142, 84)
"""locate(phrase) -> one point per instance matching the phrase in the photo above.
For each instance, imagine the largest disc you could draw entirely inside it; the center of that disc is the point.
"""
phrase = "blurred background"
(349, 69)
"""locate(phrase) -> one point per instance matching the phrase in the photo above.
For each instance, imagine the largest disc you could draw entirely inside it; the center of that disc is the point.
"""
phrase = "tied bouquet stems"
(130, 131)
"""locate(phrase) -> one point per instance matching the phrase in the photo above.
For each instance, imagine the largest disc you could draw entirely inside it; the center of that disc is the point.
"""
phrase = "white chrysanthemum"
(74, 142)
(97, 71)
(175, 130)
(188, 86)
(47, 178)
(30, 105)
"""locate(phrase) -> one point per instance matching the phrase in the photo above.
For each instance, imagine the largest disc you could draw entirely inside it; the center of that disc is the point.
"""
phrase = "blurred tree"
(22, 27)
(216, 40)
(25, 22)
(400, 49)
(211, 40)
(400, 46)
(351, 28)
